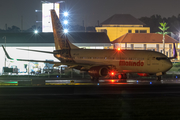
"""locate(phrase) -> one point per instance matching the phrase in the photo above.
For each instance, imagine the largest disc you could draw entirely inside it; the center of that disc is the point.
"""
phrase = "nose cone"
(167, 65)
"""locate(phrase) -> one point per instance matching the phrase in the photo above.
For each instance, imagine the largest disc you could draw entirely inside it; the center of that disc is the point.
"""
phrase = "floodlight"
(65, 31)
(36, 31)
(65, 22)
(65, 14)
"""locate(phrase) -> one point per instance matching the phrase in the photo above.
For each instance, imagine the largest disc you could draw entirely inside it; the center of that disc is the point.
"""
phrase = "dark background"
(88, 10)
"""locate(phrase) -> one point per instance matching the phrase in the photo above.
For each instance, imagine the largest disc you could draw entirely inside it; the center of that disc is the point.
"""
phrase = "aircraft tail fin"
(174, 52)
(60, 39)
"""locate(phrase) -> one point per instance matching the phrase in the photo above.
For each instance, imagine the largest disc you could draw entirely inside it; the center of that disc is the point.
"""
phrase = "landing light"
(118, 49)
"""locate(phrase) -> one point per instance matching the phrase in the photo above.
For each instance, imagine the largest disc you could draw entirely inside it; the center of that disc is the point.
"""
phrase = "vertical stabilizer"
(60, 40)
(174, 52)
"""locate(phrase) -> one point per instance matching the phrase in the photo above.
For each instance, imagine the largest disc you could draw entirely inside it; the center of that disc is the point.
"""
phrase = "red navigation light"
(112, 73)
(118, 49)
(119, 76)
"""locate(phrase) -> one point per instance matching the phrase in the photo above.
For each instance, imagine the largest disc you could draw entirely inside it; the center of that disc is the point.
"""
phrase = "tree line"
(154, 20)
(15, 29)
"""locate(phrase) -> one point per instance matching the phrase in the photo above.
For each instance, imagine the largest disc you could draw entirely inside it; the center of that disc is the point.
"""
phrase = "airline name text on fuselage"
(130, 63)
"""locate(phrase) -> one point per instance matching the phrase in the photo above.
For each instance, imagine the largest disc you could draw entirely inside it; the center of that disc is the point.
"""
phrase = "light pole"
(5, 49)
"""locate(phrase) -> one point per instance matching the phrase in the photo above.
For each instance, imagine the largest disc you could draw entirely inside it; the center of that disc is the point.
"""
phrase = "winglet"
(7, 55)
(174, 52)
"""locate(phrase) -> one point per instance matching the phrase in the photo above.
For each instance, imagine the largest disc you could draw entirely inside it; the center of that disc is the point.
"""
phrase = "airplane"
(102, 62)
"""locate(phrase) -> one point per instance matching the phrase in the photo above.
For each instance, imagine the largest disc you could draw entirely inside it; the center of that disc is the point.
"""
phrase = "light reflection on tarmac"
(117, 81)
(100, 82)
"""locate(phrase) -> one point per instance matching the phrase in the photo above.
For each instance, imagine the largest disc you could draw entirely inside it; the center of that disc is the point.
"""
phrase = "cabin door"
(149, 60)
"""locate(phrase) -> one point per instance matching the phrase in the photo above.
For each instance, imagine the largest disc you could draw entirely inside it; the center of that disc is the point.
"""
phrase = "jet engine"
(98, 71)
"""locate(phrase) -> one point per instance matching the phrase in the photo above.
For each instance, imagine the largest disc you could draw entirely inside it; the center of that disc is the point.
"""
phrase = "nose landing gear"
(158, 78)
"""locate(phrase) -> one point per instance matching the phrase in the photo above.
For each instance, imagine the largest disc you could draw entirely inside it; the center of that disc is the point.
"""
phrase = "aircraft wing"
(7, 55)
(71, 65)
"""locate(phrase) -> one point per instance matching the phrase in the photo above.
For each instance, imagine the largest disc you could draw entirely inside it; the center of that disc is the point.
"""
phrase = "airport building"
(120, 24)
(127, 32)
(146, 41)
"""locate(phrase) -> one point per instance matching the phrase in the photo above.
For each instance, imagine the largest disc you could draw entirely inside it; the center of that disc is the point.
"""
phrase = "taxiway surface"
(107, 99)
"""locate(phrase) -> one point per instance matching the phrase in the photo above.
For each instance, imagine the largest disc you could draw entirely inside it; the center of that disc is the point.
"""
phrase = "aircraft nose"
(168, 65)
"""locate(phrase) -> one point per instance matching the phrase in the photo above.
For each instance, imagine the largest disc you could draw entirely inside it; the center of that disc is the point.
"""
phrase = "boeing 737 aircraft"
(102, 62)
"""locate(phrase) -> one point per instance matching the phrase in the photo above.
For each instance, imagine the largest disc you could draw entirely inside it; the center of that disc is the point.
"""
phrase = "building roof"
(123, 19)
(48, 38)
(144, 38)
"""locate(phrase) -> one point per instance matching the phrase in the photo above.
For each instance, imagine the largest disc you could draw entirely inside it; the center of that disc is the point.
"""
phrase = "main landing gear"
(122, 76)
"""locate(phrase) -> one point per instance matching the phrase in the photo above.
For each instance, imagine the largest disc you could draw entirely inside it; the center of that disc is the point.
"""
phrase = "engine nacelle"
(143, 74)
(98, 71)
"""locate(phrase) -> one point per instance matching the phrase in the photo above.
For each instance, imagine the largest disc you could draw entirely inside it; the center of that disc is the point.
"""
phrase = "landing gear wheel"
(158, 78)
(122, 76)
(92, 78)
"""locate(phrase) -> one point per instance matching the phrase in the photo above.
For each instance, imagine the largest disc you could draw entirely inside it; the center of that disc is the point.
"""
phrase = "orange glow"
(118, 49)
(112, 80)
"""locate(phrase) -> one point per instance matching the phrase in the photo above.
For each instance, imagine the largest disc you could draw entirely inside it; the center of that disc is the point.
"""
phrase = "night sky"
(88, 10)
